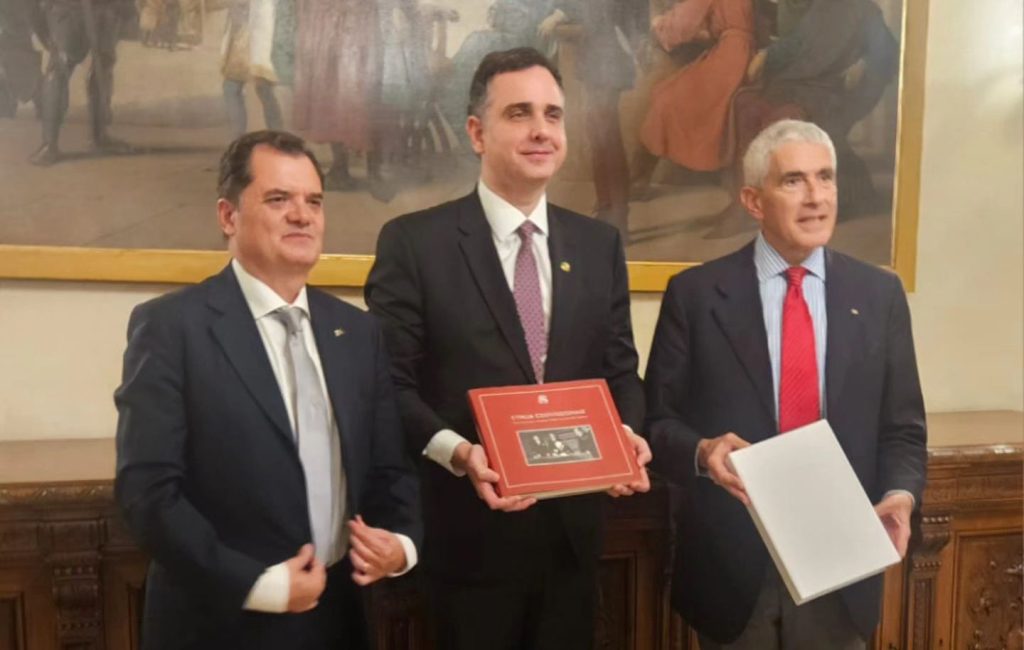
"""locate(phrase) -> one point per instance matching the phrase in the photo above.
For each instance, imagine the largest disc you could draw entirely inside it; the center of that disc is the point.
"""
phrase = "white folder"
(817, 522)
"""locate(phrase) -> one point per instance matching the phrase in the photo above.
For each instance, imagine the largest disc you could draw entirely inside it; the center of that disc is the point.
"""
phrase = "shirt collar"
(505, 218)
(261, 299)
(770, 263)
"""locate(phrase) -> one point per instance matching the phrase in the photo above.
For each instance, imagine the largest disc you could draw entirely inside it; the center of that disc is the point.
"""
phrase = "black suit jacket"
(208, 476)
(451, 325)
(709, 374)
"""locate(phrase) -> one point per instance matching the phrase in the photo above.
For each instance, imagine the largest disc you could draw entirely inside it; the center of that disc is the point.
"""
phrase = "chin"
(304, 259)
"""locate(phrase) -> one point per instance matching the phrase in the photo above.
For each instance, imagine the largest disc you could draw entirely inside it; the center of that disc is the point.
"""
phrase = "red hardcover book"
(556, 439)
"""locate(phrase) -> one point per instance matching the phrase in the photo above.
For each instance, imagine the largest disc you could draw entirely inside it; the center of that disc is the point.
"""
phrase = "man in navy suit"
(260, 459)
(776, 335)
(501, 288)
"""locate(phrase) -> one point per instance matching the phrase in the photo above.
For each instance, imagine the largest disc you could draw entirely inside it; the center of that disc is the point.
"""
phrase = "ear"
(750, 197)
(475, 130)
(227, 217)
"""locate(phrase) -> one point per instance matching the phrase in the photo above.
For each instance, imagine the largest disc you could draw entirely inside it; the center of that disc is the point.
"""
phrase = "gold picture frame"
(188, 266)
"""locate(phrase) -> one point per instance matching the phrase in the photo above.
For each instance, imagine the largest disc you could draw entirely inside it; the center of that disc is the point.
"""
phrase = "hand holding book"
(643, 456)
(472, 459)
(712, 455)
(894, 511)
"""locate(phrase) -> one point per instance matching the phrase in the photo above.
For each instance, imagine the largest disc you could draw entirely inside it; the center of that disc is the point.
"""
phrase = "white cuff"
(913, 501)
(410, 554)
(697, 469)
(441, 447)
(270, 592)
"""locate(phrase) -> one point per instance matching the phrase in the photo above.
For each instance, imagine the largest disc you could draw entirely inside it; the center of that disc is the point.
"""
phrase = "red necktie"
(799, 401)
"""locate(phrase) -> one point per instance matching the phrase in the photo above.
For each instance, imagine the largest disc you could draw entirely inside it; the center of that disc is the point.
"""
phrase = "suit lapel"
(477, 247)
(845, 329)
(235, 331)
(565, 289)
(741, 318)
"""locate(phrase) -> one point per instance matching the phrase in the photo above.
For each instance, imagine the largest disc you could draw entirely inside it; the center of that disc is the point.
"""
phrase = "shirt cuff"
(441, 447)
(913, 501)
(270, 592)
(697, 469)
(410, 555)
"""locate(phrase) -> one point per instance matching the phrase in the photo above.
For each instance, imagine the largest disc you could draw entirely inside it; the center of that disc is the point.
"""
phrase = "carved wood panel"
(616, 601)
(989, 593)
(71, 578)
(12, 633)
(123, 580)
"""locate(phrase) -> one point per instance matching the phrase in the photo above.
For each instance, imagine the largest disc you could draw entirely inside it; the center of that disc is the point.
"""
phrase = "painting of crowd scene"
(113, 113)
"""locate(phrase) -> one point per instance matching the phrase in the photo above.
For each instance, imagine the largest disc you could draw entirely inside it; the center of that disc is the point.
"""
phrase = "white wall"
(61, 343)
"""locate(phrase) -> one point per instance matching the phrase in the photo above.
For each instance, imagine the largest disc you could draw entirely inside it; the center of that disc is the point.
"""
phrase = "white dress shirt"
(504, 219)
(270, 592)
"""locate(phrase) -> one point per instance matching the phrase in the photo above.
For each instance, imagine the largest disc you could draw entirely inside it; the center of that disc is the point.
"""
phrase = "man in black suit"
(776, 335)
(502, 288)
(258, 429)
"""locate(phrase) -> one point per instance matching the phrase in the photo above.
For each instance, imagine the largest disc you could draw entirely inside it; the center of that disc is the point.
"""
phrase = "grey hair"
(757, 160)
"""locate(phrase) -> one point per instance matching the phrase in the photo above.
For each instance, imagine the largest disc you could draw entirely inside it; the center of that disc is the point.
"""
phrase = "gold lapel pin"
(855, 311)
(565, 266)
(339, 332)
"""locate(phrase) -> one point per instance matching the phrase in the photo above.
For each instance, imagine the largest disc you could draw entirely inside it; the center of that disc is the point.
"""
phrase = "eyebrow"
(528, 106)
(521, 106)
(802, 174)
(277, 191)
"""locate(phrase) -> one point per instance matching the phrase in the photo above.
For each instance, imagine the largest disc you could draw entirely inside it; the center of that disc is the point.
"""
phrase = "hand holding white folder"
(812, 512)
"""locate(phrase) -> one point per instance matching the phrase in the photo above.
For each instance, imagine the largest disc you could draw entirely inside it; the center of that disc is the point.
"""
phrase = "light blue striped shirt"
(771, 280)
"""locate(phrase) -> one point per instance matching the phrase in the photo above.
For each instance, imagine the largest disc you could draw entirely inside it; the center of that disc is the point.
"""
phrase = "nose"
(539, 128)
(299, 212)
(815, 191)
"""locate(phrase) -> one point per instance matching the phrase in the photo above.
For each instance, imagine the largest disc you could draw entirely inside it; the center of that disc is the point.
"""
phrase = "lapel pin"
(855, 311)
(339, 332)
(565, 266)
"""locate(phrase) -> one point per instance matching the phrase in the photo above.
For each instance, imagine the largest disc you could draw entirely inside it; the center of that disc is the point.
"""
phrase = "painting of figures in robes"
(113, 114)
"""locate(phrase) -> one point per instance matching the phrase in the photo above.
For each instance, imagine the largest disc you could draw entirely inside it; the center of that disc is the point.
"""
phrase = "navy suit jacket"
(451, 325)
(709, 374)
(208, 476)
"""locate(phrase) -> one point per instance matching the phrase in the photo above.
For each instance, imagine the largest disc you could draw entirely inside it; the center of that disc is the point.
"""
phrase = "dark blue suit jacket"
(208, 476)
(451, 325)
(709, 374)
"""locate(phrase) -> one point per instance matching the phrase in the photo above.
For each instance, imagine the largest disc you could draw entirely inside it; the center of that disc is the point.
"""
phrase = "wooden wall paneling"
(12, 618)
(987, 586)
(71, 577)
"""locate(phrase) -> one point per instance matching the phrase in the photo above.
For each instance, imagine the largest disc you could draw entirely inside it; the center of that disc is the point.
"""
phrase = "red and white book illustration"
(555, 439)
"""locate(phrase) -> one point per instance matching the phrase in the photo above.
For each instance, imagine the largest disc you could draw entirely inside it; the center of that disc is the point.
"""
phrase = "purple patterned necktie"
(528, 300)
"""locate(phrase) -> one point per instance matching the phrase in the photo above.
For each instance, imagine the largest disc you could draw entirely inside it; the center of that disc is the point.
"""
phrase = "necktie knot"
(290, 317)
(795, 276)
(526, 231)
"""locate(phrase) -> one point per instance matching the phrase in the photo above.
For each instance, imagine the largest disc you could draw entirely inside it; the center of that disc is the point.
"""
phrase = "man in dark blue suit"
(778, 334)
(260, 457)
(500, 288)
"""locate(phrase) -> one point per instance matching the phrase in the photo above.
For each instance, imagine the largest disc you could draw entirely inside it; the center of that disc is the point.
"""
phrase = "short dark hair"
(235, 172)
(495, 63)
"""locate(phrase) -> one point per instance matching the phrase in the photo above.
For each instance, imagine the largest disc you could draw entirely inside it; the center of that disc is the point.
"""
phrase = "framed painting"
(113, 115)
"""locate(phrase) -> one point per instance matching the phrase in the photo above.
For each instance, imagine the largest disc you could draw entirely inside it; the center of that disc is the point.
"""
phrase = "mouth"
(538, 155)
(812, 220)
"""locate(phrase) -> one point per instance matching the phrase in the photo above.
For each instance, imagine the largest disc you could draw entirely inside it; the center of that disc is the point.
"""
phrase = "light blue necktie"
(312, 432)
